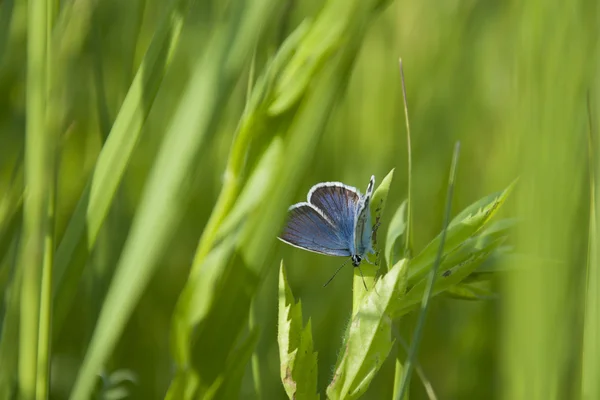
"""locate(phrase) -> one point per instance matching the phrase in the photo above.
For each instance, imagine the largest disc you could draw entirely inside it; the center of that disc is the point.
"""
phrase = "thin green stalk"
(418, 333)
(399, 370)
(35, 203)
(45, 327)
(252, 319)
(407, 234)
(45, 332)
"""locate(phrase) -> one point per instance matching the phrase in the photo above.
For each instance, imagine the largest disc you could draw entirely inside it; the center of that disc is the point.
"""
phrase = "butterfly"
(335, 220)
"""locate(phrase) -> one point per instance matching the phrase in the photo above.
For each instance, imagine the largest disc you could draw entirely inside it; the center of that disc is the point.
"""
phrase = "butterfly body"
(335, 220)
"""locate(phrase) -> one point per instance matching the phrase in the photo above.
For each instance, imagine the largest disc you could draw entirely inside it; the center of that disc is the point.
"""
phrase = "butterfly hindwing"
(309, 229)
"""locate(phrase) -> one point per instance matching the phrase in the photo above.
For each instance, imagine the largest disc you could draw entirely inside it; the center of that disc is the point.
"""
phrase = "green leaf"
(378, 202)
(451, 273)
(369, 338)
(298, 362)
(254, 189)
(395, 231)
(470, 291)
(462, 227)
(484, 207)
(380, 197)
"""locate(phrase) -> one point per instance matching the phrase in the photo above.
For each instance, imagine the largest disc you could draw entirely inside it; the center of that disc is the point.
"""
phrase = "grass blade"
(160, 209)
(37, 148)
(408, 236)
(92, 208)
(416, 339)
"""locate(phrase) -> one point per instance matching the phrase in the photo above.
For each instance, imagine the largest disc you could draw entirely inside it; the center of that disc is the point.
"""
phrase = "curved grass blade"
(198, 294)
(92, 208)
(159, 212)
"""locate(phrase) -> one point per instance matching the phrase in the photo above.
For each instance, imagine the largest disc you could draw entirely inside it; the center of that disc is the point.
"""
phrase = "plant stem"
(408, 236)
(35, 203)
(409, 365)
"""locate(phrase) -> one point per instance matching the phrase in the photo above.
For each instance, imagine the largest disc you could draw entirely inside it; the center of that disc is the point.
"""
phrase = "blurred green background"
(506, 79)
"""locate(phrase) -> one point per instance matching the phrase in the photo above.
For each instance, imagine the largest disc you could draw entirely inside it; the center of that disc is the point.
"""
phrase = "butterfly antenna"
(336, 272)
(363, 277)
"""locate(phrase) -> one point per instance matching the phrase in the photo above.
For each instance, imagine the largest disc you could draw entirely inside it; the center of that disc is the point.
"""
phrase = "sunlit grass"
(205, 120)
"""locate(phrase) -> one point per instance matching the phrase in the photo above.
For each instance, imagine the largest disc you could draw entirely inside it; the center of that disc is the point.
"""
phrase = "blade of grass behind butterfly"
(199, 291)
(250, 128)
(215, 336)
(224, 219)
(158, 214)
(416, 338)
(92, 208)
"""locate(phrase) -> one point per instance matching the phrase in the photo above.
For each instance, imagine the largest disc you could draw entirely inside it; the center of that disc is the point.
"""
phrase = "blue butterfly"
(335, 220)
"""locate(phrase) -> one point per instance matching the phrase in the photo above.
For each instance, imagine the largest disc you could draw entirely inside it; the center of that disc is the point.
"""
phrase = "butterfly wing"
(309, 229)
(363, 231)
(339, 203)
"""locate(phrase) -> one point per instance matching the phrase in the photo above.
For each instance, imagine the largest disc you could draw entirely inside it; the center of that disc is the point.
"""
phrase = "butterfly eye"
(356, 259)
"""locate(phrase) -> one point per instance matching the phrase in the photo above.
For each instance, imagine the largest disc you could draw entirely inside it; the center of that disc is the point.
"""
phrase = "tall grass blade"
(37, 151)
(92, 208)
(542, 305)
(416, 338)
(160, 209)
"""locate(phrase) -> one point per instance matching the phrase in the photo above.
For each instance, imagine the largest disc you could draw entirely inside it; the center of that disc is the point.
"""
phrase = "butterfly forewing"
(309, 229)
(339, 203)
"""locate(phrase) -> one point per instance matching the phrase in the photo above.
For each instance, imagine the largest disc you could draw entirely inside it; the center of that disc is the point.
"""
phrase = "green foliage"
(149, 151)
(462, 227)
(395, 231)
(369, 339)
(298, 361)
